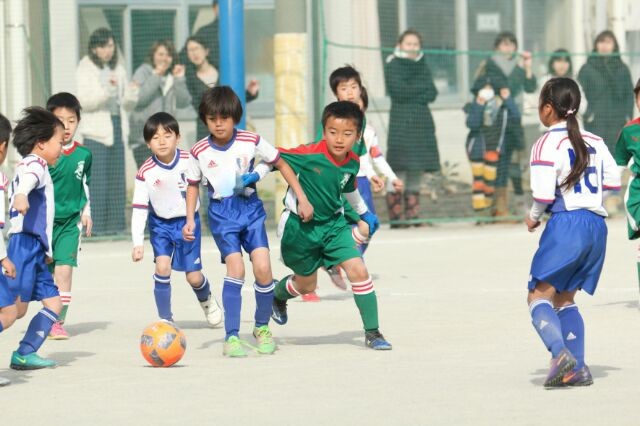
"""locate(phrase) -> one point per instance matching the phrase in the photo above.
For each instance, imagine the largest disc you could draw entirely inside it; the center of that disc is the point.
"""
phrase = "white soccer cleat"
(212, 311)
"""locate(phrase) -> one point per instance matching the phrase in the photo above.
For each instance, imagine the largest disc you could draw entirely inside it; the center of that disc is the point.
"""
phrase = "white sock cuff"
(65, 297)
(535, 303)
(363, 287)
(264, 289)
(573, 305)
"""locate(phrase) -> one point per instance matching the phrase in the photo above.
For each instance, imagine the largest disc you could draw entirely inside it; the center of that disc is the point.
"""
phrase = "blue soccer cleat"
(560, 365)
(376, 341)
(279, 311)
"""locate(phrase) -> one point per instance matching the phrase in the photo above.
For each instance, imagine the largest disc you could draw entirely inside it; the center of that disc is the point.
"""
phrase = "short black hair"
(5, 129)
(560, 55)
(505, 36)
(343, 74)
(160, 119)
(64, 100)
(36, 125)
(100, 38)
(222, 101)
(637, 88)
(343, 109)
(196, 39)
(364, 96)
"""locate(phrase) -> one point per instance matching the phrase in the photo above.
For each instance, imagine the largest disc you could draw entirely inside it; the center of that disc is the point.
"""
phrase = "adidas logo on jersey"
(158, 182)
(212, 164)
(197, 261)
(571, 336)
(40, 333)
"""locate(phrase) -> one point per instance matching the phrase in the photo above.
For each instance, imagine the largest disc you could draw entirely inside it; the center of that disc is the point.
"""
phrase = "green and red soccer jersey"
(71, 175)
(628, 146)
(322, 178)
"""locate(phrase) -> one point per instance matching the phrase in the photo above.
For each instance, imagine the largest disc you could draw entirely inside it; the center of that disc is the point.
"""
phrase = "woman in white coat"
(101, 91)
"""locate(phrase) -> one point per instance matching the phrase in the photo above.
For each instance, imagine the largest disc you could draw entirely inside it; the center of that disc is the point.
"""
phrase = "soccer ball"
(162, 344)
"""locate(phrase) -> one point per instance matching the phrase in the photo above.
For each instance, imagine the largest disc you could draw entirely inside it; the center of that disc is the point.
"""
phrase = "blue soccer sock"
(37, 332)
(264, 301)
(162, 293)
(203, 292)
(547, 324)
(573, 332)
(232, 303)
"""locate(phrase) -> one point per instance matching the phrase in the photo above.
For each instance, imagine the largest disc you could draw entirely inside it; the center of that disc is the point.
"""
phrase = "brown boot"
(412, 206)
(394, 204)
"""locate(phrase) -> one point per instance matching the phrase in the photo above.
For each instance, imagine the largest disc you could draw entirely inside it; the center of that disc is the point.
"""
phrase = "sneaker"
(4, 382)
(263, 336)
(58, 332)
(30, 361)
(233, 348)
(560, 365)
(335, 273)
(579, 377)
(375, 340)
(310, 297)
(279, 311)
(212, 311)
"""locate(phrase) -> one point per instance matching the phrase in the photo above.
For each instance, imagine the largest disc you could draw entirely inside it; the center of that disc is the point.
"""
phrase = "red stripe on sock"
(291, 289)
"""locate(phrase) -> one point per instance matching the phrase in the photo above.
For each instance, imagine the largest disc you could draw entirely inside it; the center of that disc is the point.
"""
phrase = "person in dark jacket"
(516, 69)
(412, 148)
(607, 84)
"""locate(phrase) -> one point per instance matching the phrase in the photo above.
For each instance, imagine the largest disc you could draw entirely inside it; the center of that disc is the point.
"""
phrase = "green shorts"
(305, 247)
(66, 241)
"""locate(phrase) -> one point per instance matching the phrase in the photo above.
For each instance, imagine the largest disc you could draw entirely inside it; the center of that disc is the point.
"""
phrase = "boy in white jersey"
(570, 170)
(8, 310)
(160, 190)
(38, 137)
(236, 216)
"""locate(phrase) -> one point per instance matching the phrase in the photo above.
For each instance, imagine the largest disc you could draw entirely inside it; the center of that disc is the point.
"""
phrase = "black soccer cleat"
(279, 311)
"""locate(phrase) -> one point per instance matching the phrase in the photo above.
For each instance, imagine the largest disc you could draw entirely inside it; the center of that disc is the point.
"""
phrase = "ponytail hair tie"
(570, 112)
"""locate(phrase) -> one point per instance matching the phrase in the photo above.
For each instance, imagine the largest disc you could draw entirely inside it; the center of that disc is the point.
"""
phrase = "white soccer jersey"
(222, 165)
(4, 185)
(374, 153)
(551, 159)
(39, 218)
(160, 189)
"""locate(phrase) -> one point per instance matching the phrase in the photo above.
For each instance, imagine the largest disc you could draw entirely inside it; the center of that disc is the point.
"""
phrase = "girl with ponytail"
(570, 170)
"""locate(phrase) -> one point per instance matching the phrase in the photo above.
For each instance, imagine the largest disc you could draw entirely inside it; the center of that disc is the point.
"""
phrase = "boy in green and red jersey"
(326, 171)
(70, 177)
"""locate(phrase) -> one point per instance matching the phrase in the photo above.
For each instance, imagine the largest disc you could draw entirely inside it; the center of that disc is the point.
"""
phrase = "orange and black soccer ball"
(162, 344)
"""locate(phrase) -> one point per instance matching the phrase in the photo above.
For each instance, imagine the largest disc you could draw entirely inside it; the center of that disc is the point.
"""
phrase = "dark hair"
(222, 101)
(563, 94)
(64, 100)
(198, 40)
(343, 109)
(342, 75)
(494, 80)
(409, 32)
(160, 119)
(637, 88)
(364, 96)
(99, 38)
(167, 44)
(36, 125)
(5, 129)
(505, 36)
(604, 35)
(560, 55)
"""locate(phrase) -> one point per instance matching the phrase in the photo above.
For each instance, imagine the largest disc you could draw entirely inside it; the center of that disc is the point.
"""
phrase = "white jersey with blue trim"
(39, 218)
(551, 160)
(4, 186)
(161, 190)
(222, 165)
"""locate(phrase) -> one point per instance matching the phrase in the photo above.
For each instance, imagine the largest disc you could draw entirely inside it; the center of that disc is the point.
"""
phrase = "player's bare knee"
(163, 265)
(194, 278)
(356, 270)
(306, 285)
(8, 316)
(53, 304)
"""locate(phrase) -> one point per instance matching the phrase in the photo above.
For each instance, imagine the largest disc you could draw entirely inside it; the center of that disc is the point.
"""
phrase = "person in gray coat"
(161, 86)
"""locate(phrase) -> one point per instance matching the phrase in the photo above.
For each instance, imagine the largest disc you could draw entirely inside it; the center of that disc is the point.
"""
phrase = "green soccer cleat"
(233, 348)
(263, 336)
(31, 361)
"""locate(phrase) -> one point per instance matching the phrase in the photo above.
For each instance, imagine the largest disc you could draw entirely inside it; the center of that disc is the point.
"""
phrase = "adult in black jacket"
(607, 85)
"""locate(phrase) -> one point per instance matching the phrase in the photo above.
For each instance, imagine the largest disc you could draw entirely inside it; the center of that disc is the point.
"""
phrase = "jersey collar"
(169, 166)
(69, 148)
(558, 127)
(227, 145)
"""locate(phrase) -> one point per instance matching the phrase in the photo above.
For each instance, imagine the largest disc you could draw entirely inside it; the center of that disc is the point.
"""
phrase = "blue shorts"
(166, 239)
(238, 222)
(7, 298)
(571, 252)
(364, 187)
(33, 280)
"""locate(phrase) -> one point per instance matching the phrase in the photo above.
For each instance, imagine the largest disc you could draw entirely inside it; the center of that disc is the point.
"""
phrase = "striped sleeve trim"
(543, 200)
(140, 206)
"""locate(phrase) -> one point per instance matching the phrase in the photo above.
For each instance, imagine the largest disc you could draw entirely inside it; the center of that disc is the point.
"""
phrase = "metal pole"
(232, 72)
(462, 44)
